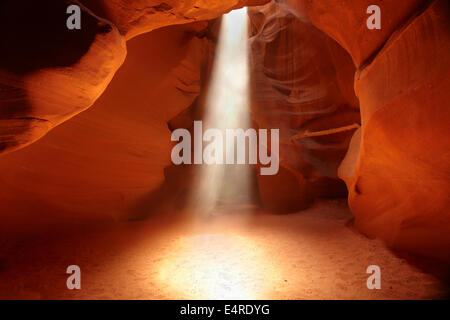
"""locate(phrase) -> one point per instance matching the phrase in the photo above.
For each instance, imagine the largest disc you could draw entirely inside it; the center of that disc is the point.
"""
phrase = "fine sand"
(313, 254)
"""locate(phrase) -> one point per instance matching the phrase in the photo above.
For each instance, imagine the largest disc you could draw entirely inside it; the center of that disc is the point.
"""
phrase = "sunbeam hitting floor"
(308, 255)
(227, 107)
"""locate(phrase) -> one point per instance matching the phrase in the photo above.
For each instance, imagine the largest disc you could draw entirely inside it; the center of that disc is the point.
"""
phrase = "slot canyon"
(362, 174)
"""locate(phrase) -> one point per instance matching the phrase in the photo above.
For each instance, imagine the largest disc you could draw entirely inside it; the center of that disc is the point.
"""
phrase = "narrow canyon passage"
(226, 149)
(306, 255)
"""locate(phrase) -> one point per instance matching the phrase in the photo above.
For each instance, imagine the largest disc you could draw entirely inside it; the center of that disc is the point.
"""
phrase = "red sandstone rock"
(399, 185)
(345, 21)
(105, 160)
(284, 192)
(100, 164)
(302, 81)
(146, 15)
(48, 73)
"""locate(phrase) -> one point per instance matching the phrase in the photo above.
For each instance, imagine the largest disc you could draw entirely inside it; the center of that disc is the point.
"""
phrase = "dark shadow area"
(40, 38)
(437, 268)
(3, 266)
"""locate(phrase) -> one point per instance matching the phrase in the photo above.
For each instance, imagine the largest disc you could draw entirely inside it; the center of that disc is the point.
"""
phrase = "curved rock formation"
(399, 187)
(101, 163)
(345, 21)
(304, 58)
(396, 168)
(147, 15)
(48, 73)
(302, 81)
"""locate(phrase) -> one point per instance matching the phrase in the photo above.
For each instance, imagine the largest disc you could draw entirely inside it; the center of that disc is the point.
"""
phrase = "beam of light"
(221, 265)
(227, 108)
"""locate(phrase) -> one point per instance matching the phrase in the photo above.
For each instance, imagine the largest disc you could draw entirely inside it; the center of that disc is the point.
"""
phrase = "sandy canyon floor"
(313, 254)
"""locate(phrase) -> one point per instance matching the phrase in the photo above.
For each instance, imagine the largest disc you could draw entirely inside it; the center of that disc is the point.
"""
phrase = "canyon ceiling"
(86, 116)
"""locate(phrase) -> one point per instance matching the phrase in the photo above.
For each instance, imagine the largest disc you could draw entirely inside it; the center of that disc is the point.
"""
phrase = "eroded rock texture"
(100, 164)
(304, 56)
(146, 15)
(397, 167)
(399, 187)
(302, 81)
(48, 73)
(345, 21)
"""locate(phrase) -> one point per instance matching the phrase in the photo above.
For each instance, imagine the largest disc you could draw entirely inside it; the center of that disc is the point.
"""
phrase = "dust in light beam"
(227, 107)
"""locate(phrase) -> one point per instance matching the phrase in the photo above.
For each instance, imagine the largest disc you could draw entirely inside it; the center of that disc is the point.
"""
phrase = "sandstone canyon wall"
(50, 73)
(397, 167)
(301, 81)
(100, 163)
(308, 60)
